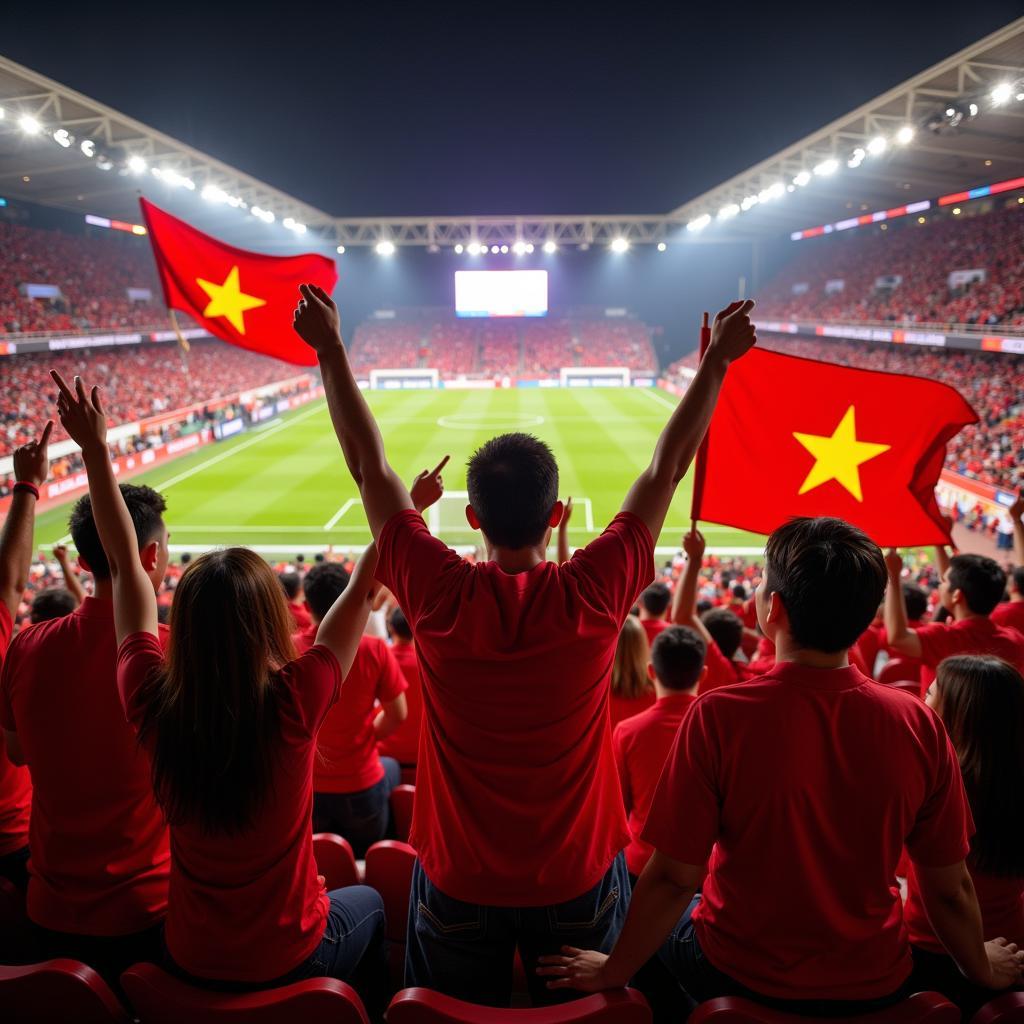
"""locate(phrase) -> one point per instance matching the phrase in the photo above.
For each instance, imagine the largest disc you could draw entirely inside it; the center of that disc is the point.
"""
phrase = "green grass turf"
(277, 488)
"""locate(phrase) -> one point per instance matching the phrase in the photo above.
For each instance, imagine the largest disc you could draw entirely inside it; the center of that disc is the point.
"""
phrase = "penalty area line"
(329, 525)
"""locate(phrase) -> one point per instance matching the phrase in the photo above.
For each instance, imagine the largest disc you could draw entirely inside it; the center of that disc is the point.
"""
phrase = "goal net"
(404, 379)
(594, 377)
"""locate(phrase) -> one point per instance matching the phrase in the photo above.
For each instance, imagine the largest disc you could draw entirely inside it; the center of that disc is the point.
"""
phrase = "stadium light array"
(699, 223)
(136, 164)
(459, 249)
(473, 248)
(340, 250)
(29, 125)
(550, 247)
(662, 247)
(856, 158)
(88, 148)
(385, 248)
(748, 203)
(171, 177)
(905, 135)
(293, 225)
(259, 213)
(503, 249)
(729, 210)
(1001, 94)
(877, 145)
(63, 138)
(826, 167)
(802, 179)
(619, 245)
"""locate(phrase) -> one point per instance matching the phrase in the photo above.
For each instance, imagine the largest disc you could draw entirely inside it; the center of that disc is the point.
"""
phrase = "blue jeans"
(363, 817)
(701, 980)
(467, 950)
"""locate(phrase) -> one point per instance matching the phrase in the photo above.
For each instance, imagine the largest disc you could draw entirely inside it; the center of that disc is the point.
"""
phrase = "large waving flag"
(245, 298)
(798, 437)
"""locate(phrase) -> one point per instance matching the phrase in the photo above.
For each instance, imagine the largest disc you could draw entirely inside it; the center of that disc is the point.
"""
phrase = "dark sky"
(450, 108)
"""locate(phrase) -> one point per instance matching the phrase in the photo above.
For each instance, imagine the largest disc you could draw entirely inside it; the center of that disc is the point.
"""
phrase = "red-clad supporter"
(1011, 613)
(981, 702)
(642, 742)
(351, 781)
(100, 856)
(30, 470)
(653, 605)
(518, 820)
(773, 779)
(291, 584)
(631, 690)
(403, 743)
(229, 721)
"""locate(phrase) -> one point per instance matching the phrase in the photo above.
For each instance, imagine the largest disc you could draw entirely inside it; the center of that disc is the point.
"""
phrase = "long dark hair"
(211, 713)
(982, 704)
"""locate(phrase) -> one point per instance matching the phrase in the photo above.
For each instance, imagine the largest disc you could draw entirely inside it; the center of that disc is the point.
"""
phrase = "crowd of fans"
(922, 257)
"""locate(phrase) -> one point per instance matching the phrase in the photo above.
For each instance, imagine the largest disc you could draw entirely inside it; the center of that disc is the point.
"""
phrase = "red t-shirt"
(403, 743)
(250, 907)
(100, 857)
(941, 640)
(621, 708)
(348, 761)
(652, 627)
(641, 746)
(807, 783)
(300, 616)
(1011, 614)
(518, 800)
(871, 641)
(15, 783)
(721, 671)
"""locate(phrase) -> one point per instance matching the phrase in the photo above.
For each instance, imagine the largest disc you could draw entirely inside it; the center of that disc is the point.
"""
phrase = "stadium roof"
(956, 126)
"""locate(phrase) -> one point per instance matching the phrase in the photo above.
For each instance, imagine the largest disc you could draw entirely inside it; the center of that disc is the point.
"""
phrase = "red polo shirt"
(518, 800)
(782, 780)
(348, 761)
(15, 783)
(403, 743)
(250, 907)
(641, 745)
(1011, 614)
(940, 640)
(100, 858)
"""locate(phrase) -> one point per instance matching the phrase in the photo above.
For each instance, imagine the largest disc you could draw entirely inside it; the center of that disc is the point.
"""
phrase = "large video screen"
(501, 292)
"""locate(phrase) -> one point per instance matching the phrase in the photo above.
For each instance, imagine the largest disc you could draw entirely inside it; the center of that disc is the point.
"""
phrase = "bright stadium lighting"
(458, 248)
(826, 167)
(905, 135)
(748, 202)
(104, 163)
(294, 225)
(662, 247)
(495, 249)
(729, 210)
(802, 179)
(385, 248)
(473, 248)
(1001, 93)
(856, 158)
(619, 245)
(266, 216)
(136, 164)
(1018, 98)
(550, 247)
(213, 194)
(88, 148)
(972, 109)
(62, 137)
(29, 125)
(699, 223)
(519, 248)
(171, 177)
(340, 250)
(504, 249)
(3, 113)
(529, 247)
(877, 145)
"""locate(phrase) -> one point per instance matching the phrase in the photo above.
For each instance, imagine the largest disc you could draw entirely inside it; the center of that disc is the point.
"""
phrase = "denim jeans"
(701, 980)
(364, 817)
(14, 867)
(467, 950)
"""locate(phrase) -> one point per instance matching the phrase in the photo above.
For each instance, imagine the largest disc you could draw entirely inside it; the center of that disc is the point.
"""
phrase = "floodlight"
(877, 145)
(826, 167)
(458, 249)
(529, 247)
(136, 164)
(856, 157)
(699, 223)
(29, 125)
(519, 248)
(905, 135)
(748, 202)
(213, 194)
(972, 109)
(619, 245)
(1001, 93)
(495, 249)
(729, 210)
(63, 138)
(473, 248)
(802, 179)
(550, 247)
(385, 248)
(662, 247)
(88, 147)
(340, 250)
(504, 249)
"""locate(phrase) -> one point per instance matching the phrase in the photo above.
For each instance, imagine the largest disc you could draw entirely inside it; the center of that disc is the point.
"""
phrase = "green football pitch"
(283, 488)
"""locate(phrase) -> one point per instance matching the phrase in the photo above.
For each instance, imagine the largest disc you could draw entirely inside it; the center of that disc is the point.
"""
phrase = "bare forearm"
(1018, 541)
(345, 620)
(895, 614)
(357, 431)
(113, 523)
(72, 582)
(16, 549)
(563, 546)
(684, 600)
(384, 724)
(941, 558)
(956, 920)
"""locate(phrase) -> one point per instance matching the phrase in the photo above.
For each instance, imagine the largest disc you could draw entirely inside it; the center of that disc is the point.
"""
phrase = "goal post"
(400, 379)
(594, 377)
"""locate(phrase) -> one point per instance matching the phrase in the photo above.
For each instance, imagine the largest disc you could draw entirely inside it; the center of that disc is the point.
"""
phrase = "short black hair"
(145, 506)
(725, 628)
(186, 558)
(831, 577)
(678, 654)
(324, 584)
(655, 599)
(739, 591)
(1018, 579)
(980, 579)
(291, 584)
(398, 624)
(52, 603)
(915, 600)
(704, 605)
(513, 486)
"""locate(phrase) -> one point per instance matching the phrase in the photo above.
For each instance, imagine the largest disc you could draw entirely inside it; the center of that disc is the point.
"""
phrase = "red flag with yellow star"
(798, 437)
(245, 298)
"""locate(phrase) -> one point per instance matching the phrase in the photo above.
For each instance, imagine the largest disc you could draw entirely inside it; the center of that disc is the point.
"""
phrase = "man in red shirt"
(518, 820)
(291, 584)
(403, 743)
(100, 857)
(351, 781)
(1011, 613)
(971, 587)
(642, 742)
(654, 602)
(803, 786)
(31, 467)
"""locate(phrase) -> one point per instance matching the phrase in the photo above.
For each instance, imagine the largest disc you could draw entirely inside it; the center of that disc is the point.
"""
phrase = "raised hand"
(428, 486)
(316, 319)
(563, 526)
(60, 553)
(81, 414)
(732, 334)
(894, 563)
(693, 545)
(30, 462)
(1017, 508)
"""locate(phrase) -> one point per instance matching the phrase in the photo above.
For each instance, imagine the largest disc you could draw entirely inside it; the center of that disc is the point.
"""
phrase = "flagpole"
(182, 341)
(702, 452)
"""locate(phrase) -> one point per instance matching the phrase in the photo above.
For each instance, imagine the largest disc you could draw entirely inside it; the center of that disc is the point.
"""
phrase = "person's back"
(653, 604)
(403, 743)
(1011, 613)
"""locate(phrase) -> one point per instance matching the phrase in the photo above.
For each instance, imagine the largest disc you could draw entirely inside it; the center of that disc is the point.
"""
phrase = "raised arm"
(381, 489)
(71, 581)
(82, 416)
(563, 533)
(343, 625)
(651, 494)
(897, 633)
(31, 467)
(1017, 515)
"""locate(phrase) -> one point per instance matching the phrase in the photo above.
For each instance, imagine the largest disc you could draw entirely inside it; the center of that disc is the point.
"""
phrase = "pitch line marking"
(655, 397)
(329, 525)
(510, 421)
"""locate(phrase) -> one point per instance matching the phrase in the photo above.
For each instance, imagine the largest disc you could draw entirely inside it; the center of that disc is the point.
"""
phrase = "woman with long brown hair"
(981, 701)
(229, 718)
(632, 689)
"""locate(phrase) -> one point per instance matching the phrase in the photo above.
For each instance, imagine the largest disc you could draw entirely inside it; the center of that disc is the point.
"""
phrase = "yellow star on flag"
(839, 456)
(228, 300)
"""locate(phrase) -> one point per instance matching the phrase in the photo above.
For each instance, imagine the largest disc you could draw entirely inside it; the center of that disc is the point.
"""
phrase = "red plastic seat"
(422, 1006)
(335, 860)
(921, 1008)
(159, 998)
(408, 775)
(897, 670)
(402, 798)
(389, 867)
(1005, 1009)
(56, 992)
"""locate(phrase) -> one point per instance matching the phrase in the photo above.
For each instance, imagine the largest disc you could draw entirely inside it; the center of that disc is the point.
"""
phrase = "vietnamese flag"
(245, 298)
(798, 437)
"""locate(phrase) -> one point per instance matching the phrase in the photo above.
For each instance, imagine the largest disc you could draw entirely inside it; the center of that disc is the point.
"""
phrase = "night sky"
(491, 108)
